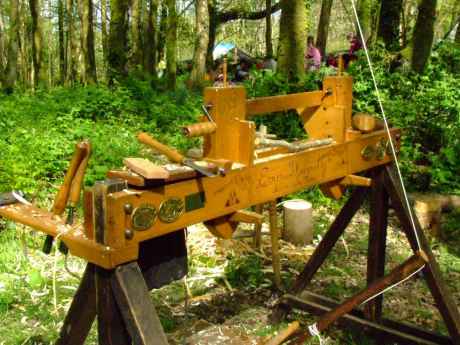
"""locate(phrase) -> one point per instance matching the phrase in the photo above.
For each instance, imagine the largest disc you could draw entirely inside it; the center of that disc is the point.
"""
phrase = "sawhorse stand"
(121, 301)
(385, 188)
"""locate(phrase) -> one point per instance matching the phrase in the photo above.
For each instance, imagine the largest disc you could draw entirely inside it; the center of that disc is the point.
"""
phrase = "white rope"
(313, 330)
(393, 286)
(387, 128)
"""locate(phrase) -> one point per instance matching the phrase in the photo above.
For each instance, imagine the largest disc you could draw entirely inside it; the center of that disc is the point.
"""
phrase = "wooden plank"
(324, 248)
(377, 240)
(146, 168)
(389, 330)
(258, 228)
(136, 306)
(444, 301)
(110, 326)
(267, 105)
(81, 313)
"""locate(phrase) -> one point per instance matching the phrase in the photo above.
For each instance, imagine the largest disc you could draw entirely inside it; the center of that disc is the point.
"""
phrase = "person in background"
(313, 56)
(355, 45)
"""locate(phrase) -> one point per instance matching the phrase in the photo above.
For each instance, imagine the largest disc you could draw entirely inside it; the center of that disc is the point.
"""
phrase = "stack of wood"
(429, 207)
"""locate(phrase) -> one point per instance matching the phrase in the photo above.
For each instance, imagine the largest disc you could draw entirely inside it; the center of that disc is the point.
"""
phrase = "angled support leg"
(432, 274)
(110, 325)
(377, 241)
(324, 248)
(134, 301)
(82, 312)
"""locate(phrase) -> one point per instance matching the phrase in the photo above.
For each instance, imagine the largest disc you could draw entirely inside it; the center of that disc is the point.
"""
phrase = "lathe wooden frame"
(113, 288)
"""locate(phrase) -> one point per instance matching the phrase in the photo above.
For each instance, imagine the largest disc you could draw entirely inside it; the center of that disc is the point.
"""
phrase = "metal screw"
(129, 234)
(128, 208)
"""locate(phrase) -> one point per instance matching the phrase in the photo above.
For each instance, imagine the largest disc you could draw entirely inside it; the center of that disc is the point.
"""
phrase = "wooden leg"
(134, 301)
(323, 249)
(275, 237)
(398, 274)
(330, 238)
(82, 312)
(377, 241)
(111, 329)
(441, 295)
(258, 228)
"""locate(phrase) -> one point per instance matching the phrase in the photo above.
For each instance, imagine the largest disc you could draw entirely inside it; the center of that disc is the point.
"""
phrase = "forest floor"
(228, 293)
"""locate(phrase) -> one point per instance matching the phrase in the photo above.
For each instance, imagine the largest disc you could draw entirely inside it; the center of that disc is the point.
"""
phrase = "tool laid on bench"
(133, 232)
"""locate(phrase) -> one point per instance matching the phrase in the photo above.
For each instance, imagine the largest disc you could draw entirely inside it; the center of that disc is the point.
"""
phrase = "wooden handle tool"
(60, 201)
(172, 154)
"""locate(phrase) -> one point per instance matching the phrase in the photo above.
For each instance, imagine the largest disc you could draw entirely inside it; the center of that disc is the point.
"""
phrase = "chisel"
(60, 201)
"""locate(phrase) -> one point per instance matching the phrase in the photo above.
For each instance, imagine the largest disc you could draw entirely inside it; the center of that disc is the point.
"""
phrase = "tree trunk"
(2, 48)
(390, 17)
(150, 56)
(212, 33)
(62, 55)
(11, 73)
(87, 46)
(136, 38)
(118, 40)
(104, 34)
(71, 44)
(201, 43)
(323, 26)
(423, 34)
(162, 31)
(171, 45)
(37, 51)
(293, 38)
(268, 29)
(457, 35)
(365, 17)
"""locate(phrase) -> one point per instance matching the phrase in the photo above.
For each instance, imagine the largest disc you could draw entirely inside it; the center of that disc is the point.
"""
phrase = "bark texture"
(37, 51)
(104, 38)
(365, 17)
(171, 45)
(136, 37)
(389, 22)
(323, 26)
(71, 44)
(150, 56)
(293, 37)
(62, 55)
(118, 40)
(201, 43)
(87, 33)
(11, 73)
(423, 34)
(268, 29)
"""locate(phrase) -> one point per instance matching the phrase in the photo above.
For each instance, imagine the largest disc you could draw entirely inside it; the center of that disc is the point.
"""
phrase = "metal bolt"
(129, 234)
(128, 208)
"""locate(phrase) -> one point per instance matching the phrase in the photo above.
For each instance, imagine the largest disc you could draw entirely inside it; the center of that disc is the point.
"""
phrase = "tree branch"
(234, 14)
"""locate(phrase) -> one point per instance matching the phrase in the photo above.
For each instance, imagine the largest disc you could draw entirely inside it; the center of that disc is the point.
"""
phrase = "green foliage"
(426, 106)
(245, 271)
(38, 131)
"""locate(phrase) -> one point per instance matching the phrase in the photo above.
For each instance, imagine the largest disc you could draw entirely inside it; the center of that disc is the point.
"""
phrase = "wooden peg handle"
(172, 154)
(60, 201)
(77, 182)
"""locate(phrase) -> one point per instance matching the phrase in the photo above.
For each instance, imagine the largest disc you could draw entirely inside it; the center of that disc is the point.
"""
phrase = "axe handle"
(60, 202)
(77, 181)
(172, 154)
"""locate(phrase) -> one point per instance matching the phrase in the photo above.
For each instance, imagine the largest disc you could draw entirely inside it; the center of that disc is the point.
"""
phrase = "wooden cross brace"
(385, 187)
